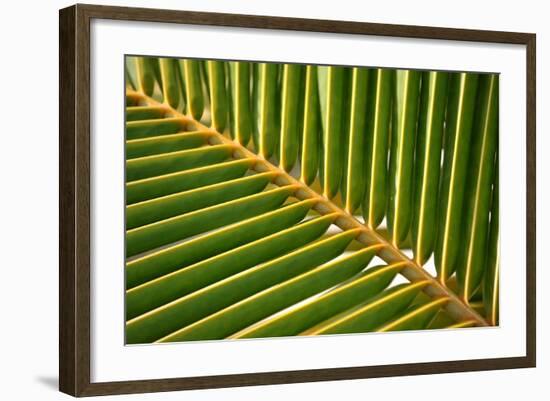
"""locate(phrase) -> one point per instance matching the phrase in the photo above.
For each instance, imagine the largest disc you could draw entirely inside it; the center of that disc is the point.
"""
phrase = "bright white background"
(28, 204)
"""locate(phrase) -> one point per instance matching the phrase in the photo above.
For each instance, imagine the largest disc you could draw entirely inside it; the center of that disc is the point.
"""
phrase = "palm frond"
(259, 194)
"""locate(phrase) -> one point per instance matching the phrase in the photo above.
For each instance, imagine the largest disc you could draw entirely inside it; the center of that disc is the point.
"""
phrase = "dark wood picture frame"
(74, 203)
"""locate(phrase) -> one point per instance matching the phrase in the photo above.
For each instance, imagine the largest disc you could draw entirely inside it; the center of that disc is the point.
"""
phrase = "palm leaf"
(370, 314)
(360, 288)
(226, 239)
(355, 171)
(137, 113)
(165, 144)
(428, 161)
(405, 113)
(156, 127)
(417, 317)
(266, 108)
(491, 287)
(291, 114)
(478, 196)
(183, 226)
(375, 199)
(157, 292)
(163, 321)
(459, 129)
(149, 188)
(164, 261)
(190, 75)
(170, 87)
(150, 211)
(130, 76)
(218, 94)
(311, 141)
(155, 165)
(146, 74)
(332, 83)
(273, 299)
(240, 101)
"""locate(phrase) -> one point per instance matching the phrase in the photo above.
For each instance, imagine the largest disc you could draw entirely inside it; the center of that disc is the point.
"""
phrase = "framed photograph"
(251, 200)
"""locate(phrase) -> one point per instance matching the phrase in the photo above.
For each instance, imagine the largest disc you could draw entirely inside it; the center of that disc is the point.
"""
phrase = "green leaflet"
(137, 113)
(371, 314)
(405, 113)
(311, 130)
(170, 88)
(156, 127)
(151, 166)
(240, 101)
(129, 82)
(230, 104)
(188, 279)
(332, 84)
(180, 227)
(275, 298)
(491, 280)
(461, 325)
(375, 200)
(428, 161)
(130, 73)
(149, 188)
(255, 106)
(218, 94)
(167, 206)
(356, 290)
(460, 111)
(417, 317)
(203, 69)
(266, 108)
(156, 69)
(146, 74)
(165, 144)
(477, 202)
(441, 320)
(357, 144)
(163, 321)
(291, 114)
(167, 260)
(190, 75)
